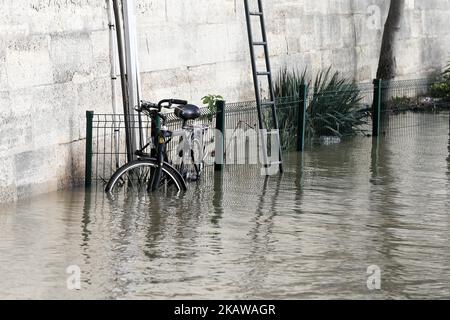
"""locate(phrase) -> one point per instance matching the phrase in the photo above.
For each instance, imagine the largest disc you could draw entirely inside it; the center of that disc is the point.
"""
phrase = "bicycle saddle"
(187, 112)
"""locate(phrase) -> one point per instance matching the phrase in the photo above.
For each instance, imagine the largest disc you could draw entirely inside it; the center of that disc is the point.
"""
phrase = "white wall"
(193, 47)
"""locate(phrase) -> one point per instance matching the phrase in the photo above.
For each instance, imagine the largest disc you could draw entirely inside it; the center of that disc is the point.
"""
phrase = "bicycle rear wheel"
(191, 167)
(136, 176)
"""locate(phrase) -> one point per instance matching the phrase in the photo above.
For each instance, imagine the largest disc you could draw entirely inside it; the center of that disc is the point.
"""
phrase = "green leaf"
(333, 103)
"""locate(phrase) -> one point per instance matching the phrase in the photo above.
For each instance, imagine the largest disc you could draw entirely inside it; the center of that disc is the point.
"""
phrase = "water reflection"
(309, 233)
(261, 238)
(382, 200)
(448, 158)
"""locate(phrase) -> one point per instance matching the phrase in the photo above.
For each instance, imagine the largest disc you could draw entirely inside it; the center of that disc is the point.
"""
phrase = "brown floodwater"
(309, 233)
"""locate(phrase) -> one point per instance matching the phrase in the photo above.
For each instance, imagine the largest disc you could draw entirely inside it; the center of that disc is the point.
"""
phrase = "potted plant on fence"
(210, 102)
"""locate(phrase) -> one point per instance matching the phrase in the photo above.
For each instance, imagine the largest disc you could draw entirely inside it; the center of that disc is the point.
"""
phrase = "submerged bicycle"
(154, 171)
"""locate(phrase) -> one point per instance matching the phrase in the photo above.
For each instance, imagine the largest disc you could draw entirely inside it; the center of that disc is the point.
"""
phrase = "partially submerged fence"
(403, 106)
(381, 108)
(106, 149)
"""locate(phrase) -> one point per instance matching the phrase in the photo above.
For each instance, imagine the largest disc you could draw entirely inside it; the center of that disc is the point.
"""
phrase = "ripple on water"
(310, 233)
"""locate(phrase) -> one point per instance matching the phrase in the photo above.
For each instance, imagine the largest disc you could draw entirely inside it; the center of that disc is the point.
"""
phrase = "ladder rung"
(262, 43)
(256, 13)
(263, 73)
(267, 103)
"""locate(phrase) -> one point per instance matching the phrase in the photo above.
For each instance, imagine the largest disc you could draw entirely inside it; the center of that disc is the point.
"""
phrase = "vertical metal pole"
(129, 19)
(112, 54)
(220, 140)
(217, 199)
(88, 165)
(155, 128)
(123, 75)
(302, 107)
(142, 137)
(376, 108)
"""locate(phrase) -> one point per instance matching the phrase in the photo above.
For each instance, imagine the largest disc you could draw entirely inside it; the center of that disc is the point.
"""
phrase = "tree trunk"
(387, 64)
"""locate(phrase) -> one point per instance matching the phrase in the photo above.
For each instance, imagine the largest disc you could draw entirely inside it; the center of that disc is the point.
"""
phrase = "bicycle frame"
(161, 136)
(192, 139)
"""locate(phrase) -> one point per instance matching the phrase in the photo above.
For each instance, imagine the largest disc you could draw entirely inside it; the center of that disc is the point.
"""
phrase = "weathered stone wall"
(54, 64)
(194, 47)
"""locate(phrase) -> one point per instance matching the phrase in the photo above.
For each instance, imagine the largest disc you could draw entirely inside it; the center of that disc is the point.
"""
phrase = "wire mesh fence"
(109, 148)
(406, 106)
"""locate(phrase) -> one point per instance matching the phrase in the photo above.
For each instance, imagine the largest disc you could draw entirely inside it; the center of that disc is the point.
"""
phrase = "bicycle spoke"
(136, 177)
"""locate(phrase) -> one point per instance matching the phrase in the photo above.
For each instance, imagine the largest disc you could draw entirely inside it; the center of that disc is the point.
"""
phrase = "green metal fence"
(383, 108)
(407, 105)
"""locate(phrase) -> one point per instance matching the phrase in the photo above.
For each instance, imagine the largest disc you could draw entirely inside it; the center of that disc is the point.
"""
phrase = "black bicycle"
(154, 171)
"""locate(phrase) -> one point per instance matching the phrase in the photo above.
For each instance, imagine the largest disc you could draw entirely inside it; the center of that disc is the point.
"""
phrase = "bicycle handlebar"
(146, 105)
(179, 102)
(170, 102)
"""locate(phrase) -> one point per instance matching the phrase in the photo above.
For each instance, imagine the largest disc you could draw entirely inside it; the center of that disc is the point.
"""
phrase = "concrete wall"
(193, 47)
(54, 64)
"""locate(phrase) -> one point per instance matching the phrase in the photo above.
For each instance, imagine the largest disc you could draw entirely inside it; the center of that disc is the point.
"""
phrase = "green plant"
(287, 86)
(331, 112)
(446, 72)
(288, 83)
(441, 89)
(401, 103)
(210, 102)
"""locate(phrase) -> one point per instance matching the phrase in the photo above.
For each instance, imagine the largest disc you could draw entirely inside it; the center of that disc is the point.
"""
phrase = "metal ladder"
(267, 72)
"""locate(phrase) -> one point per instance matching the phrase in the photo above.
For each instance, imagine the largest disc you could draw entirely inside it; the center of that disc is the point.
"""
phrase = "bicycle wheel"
(191, 168)
(136, 176)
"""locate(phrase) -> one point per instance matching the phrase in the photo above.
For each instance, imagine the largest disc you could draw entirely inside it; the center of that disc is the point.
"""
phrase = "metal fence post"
(220, 140)
(154, 132)
(376, 108)
(88, 165)
(301, 120)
